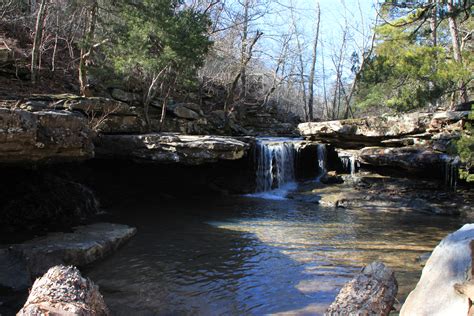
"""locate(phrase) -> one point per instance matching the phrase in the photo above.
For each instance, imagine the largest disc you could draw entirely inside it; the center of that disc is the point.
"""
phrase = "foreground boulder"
(50, 135)
(372, 292)
(445, 286)
(170, 148)
(63, 291)
(83, 246)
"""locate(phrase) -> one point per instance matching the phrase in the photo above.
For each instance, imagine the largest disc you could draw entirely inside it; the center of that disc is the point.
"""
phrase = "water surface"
(246, 255)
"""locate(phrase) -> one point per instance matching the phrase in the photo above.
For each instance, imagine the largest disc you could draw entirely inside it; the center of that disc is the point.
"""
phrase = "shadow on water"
(245, 255)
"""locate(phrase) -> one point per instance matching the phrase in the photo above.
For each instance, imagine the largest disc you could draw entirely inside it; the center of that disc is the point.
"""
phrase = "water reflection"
(243, 255)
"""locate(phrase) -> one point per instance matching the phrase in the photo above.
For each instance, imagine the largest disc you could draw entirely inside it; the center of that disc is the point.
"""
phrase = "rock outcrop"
(63, 291)
(408, 158)
(170, 148)
(49, 135)
(372, 292)
(357, 133)
(445, 284)
(415, 142)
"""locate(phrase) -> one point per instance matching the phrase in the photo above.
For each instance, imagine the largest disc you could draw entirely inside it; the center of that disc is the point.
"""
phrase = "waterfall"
(451, 170)
(275, 163)
(321, 156)
(349, 162)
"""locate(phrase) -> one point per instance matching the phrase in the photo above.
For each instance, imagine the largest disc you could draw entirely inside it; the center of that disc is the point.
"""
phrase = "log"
(371, 292)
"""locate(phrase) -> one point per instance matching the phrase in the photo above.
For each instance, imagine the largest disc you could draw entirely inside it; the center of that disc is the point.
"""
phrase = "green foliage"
(406, 71)
(158, 38)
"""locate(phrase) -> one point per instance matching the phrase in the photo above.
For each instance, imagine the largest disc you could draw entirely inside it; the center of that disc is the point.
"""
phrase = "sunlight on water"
(255, 256)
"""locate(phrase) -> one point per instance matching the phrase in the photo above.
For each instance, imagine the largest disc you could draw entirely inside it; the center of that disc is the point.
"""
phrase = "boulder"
(44, 136)
(411, 158)
(118, 124)
(440, 119)
(371, 292)
(125, 96)
(356, 133)
(444, 287)
(183, 111)
(170, 148)
(63, 291)
(83, 246)
(39, 200)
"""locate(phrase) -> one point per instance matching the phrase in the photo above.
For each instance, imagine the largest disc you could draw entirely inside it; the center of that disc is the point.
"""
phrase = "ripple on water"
(256, 256)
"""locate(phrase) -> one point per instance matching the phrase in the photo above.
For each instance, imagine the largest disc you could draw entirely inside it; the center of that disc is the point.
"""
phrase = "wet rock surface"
(445, 286)
(375, 193)
(63, 291)
(171, 148)
(372, 292)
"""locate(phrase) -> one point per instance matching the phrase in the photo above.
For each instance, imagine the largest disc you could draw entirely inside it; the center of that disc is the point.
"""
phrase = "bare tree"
(453, 29)
(313, 66)
(35, 53)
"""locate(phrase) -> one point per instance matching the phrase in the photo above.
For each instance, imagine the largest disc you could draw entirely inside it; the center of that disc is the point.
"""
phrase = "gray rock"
(369, 130)
(408, 158)
(449, 264)
(185, 112)
(63, 291)
(125, 96)
(170, 148)
(118, 124)
(44, 136)
(372, 292)
(83, 246)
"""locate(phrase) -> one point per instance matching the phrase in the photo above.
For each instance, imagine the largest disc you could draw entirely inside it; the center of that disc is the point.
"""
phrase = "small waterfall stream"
(451, 172)
(276, 161)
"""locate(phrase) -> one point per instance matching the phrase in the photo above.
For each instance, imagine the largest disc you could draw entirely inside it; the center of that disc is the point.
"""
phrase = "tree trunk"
(244, 52)
(37, 41)
(313, 68)
(86, 50)
(453, 29)
(434, 22)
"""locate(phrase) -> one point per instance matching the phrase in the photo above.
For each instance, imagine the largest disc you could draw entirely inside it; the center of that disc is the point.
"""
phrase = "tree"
(408, 70)
(159, 45)
(313, 66)
(35, 53)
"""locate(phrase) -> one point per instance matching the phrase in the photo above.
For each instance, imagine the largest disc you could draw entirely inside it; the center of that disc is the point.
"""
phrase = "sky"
(335, 14)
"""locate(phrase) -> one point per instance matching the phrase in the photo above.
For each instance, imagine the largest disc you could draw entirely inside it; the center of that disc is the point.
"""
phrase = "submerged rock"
(445, 284)
(63, 291)
(171, 148)
(27, 137)
(81, 247)
(372, 292)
